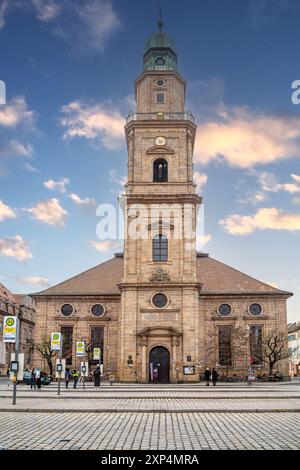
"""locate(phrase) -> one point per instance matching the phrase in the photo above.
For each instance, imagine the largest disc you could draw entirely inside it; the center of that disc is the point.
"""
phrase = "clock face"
(160, 141)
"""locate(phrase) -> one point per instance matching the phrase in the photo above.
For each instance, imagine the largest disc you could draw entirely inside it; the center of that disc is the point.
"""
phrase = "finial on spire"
(160, 21)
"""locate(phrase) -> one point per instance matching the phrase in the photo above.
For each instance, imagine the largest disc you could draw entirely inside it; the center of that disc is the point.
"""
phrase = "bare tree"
(44, 349)
(275, 348)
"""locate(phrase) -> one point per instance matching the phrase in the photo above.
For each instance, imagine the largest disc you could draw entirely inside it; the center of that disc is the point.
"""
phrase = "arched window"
(160, 170)
(160, 248)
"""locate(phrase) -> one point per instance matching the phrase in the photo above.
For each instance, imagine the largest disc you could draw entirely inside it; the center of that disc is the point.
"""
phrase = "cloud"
(202, 240)
(14, 148)
(245, 139)
(49, 212)
(57, 185)
(46, 10)
(15, 247)
(6, 212)
(106, 245)
(114, 178)
(265, 218)
(16, 112)
(263, 12)
(30, 168)
(85, 26)
(296, 178)
(82, 202)
(200, 179)
(97, 123)
(35, 280)
(3, 10)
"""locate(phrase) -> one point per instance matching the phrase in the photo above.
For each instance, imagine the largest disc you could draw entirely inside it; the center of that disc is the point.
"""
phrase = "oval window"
(160, 82)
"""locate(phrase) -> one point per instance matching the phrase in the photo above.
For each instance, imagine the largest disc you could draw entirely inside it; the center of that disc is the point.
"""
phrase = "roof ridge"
(73, 277)
(247, 275)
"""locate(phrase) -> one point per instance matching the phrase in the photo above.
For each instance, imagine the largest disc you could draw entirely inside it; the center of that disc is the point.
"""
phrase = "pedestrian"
(214, 376)
(207, 376)
(37, 375)
(32, 380)
(250, 379)
(75, 376)
(97, 375)
(67, 377)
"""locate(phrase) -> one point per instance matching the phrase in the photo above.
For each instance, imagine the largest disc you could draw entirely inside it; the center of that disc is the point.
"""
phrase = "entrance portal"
(159, 365)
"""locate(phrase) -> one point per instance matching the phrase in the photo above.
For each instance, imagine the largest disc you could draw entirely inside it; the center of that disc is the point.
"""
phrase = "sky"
(69, 68)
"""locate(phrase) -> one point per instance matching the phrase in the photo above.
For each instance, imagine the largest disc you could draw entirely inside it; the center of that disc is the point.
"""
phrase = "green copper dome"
(160, 40)
(160, 51)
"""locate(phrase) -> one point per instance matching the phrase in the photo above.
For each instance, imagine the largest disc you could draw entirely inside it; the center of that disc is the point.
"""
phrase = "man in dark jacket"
(207, 376)
(214, 377)
(97, 375)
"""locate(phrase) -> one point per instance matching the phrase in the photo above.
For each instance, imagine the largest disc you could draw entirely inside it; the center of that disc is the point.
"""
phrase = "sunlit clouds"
(6, 212)
(97, 123)
(15, 247)
(244, 138)
(49, 212)
(265, 218)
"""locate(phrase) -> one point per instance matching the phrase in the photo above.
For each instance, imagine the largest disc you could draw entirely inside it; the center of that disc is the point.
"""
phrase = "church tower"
(159, 289)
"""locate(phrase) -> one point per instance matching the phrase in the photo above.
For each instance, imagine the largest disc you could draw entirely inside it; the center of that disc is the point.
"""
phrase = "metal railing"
(161, 116)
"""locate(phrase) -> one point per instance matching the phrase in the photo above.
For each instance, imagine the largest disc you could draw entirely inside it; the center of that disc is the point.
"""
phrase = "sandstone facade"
(163, 306)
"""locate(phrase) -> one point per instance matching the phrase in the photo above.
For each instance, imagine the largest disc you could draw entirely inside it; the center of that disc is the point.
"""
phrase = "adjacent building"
(294, 348)
(22, 306)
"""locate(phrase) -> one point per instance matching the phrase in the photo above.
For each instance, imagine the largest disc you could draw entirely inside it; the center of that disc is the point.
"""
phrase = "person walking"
(67, 377)
(207, 376)
(37, 375)
(97, 375)
(75, 376)
(214, 376)
(32, 380)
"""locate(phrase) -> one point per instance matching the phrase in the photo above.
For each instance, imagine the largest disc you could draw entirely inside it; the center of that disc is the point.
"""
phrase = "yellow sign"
(9, 329)
(55, 341)
(80, 348)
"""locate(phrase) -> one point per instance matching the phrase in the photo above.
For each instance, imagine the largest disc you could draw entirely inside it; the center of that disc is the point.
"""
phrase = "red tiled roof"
(215, 277)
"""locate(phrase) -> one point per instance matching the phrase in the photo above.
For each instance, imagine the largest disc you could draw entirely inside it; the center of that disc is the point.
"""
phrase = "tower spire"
(160, 21)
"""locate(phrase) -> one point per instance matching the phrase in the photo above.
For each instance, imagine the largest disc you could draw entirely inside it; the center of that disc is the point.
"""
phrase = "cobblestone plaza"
(165, 417)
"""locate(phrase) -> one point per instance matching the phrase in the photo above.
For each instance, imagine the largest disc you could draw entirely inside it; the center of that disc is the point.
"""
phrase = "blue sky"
(69, 68)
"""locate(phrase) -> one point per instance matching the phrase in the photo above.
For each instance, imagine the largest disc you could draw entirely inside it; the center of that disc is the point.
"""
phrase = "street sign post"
(56, 345)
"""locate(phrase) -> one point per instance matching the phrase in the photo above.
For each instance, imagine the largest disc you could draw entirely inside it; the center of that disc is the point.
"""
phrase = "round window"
(255, 309)
(97, 310)
(224, 310)
(160, 82)
(159, 300)
(67, 310)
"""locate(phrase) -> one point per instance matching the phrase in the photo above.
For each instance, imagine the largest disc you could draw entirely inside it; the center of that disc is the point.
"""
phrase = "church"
(161, 311)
